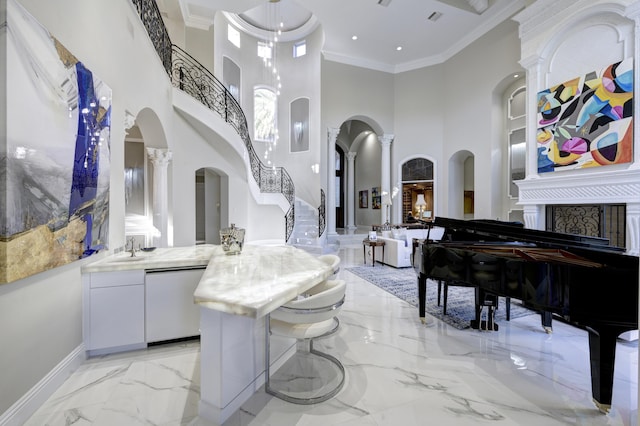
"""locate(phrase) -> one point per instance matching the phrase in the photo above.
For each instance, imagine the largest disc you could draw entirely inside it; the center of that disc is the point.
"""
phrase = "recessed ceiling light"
(516, 75)
(399, 48)
(355, 37)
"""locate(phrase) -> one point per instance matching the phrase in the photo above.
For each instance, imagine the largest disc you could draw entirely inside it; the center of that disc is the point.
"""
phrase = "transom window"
(300, 49)
(233, 36)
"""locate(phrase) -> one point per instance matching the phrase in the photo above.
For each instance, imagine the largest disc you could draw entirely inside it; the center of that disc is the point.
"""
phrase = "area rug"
(403, 283)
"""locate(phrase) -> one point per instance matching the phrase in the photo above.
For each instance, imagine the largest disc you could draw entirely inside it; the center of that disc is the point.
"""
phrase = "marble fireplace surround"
(612, 186)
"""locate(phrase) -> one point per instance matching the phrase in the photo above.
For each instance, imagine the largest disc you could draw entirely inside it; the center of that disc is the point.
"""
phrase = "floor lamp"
(420, 205)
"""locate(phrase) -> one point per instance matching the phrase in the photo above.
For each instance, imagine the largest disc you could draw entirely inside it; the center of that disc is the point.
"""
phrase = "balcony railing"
(188, 75)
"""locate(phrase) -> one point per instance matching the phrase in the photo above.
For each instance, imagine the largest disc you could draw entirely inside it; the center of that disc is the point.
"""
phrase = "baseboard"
(30, 402)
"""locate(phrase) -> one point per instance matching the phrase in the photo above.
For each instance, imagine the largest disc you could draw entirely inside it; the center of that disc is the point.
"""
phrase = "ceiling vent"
(434, 16)
(384, 3)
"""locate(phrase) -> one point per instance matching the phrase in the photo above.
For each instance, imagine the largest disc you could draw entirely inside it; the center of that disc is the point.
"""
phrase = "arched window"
(417, 189)
(264, 114)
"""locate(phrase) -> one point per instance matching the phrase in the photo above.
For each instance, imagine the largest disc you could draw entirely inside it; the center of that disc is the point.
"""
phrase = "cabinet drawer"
(117, 278)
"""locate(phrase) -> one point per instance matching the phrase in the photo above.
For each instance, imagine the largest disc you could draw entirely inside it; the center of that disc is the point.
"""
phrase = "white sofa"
(398, 246)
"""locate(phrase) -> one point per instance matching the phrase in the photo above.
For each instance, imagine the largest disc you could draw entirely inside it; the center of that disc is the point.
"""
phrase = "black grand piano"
(582, 279)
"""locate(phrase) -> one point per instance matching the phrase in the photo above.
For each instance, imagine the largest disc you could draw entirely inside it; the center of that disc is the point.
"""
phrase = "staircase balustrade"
(188, 75)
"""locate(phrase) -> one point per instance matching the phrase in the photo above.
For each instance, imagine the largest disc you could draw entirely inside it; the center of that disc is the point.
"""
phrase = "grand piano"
(581, 279)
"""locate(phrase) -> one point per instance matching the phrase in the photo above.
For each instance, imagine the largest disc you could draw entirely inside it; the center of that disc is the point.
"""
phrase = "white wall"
(470, 79)
(352, 92)
(300, 77)
(42, 314)
(419, 124)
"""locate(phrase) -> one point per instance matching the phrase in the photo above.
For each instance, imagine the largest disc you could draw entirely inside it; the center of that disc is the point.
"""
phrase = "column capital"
(159, 156)
(332, 133)
(351, 155)
(129, 120)
(386, 139)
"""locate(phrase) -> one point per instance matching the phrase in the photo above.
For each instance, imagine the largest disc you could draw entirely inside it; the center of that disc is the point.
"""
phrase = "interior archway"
(461, 185)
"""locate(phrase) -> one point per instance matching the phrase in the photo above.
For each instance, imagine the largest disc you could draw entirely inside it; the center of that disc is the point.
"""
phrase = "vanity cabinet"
(170, 310)
(114, 309)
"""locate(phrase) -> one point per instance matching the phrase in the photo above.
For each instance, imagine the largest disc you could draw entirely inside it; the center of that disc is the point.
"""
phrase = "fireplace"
(610, 199)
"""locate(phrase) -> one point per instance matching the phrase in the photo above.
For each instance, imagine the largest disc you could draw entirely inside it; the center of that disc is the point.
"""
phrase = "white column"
(532, 216)
(351, 191)
(385, 170)
(160, 159)
(534, 81)
(633, 229)
(332, 136)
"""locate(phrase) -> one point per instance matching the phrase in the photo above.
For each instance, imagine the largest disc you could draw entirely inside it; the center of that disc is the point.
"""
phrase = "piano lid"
(495, 230)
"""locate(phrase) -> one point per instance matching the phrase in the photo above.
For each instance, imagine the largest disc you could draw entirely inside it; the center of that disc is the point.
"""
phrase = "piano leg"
(602, 353)
(546, 319)
(422, 296)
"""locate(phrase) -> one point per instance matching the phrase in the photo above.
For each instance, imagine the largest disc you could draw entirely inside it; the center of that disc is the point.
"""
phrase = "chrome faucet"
(132, 240)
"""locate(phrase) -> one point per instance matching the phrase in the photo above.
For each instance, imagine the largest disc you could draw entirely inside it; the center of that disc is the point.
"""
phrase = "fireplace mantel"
(585, 187)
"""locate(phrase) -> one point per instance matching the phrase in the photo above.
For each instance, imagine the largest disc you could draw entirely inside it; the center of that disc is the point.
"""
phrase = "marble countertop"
(259, 280)
(252, 283)
(171, 257)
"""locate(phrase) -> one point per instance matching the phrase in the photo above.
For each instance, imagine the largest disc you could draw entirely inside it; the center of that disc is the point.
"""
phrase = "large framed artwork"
(55, 162)
(587, 121)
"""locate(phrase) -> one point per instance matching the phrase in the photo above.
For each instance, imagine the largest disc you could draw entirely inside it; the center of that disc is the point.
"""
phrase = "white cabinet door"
(116, 310)
(171, 312)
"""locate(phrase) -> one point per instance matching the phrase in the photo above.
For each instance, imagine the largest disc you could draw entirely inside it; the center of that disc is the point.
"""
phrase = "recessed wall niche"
(231, 77)
(299, 124)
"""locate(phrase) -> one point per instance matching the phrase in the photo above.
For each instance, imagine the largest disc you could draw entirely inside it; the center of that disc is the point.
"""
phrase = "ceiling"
(381, 26)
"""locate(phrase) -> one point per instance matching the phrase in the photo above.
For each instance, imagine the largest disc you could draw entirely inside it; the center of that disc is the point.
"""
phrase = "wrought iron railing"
(189, 75)
(322, 213)
(152, 21)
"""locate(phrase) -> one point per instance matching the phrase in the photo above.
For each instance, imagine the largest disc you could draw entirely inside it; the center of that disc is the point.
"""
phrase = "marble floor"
(399, 372)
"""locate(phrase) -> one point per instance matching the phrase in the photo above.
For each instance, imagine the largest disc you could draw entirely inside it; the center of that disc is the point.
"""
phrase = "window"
(264, 50)
(233, 36)
(264, 111)
(300, 49)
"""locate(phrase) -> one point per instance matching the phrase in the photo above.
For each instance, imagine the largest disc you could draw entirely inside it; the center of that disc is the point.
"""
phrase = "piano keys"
(582, 279)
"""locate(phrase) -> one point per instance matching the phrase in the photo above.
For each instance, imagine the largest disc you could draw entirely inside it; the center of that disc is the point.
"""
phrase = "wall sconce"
(315, 168)
(298, 131)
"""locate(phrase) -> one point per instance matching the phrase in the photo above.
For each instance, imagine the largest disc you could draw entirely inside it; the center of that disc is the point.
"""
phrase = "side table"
(372, 243)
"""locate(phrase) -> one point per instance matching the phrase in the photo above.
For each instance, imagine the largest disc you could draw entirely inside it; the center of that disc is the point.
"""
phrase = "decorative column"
(532, 217)
(332, 137)
(633, 229)
(532, 65)
(160, 159)
(385, 169)
(351, 191)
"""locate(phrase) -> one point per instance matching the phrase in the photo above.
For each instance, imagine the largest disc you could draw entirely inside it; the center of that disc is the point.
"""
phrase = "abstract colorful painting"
(587, 121)
(54, 166)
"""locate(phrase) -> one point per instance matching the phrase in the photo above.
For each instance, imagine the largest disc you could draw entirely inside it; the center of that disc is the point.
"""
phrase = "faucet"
(132, 240)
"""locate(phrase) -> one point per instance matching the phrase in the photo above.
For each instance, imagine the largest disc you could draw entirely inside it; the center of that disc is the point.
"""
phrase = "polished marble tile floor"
(399, 372)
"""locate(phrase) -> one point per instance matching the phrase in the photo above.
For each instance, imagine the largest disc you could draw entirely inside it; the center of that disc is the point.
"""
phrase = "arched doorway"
(417, 189)
(461, 185)
(210, 192)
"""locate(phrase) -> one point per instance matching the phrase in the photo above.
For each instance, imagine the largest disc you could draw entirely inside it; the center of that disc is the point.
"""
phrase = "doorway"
(207, 209)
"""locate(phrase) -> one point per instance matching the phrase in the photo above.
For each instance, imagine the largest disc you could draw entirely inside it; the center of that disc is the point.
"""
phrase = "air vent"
(384, 3)
(434, 16)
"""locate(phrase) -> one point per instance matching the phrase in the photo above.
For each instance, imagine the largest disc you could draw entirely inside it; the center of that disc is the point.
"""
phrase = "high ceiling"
(381, 26)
